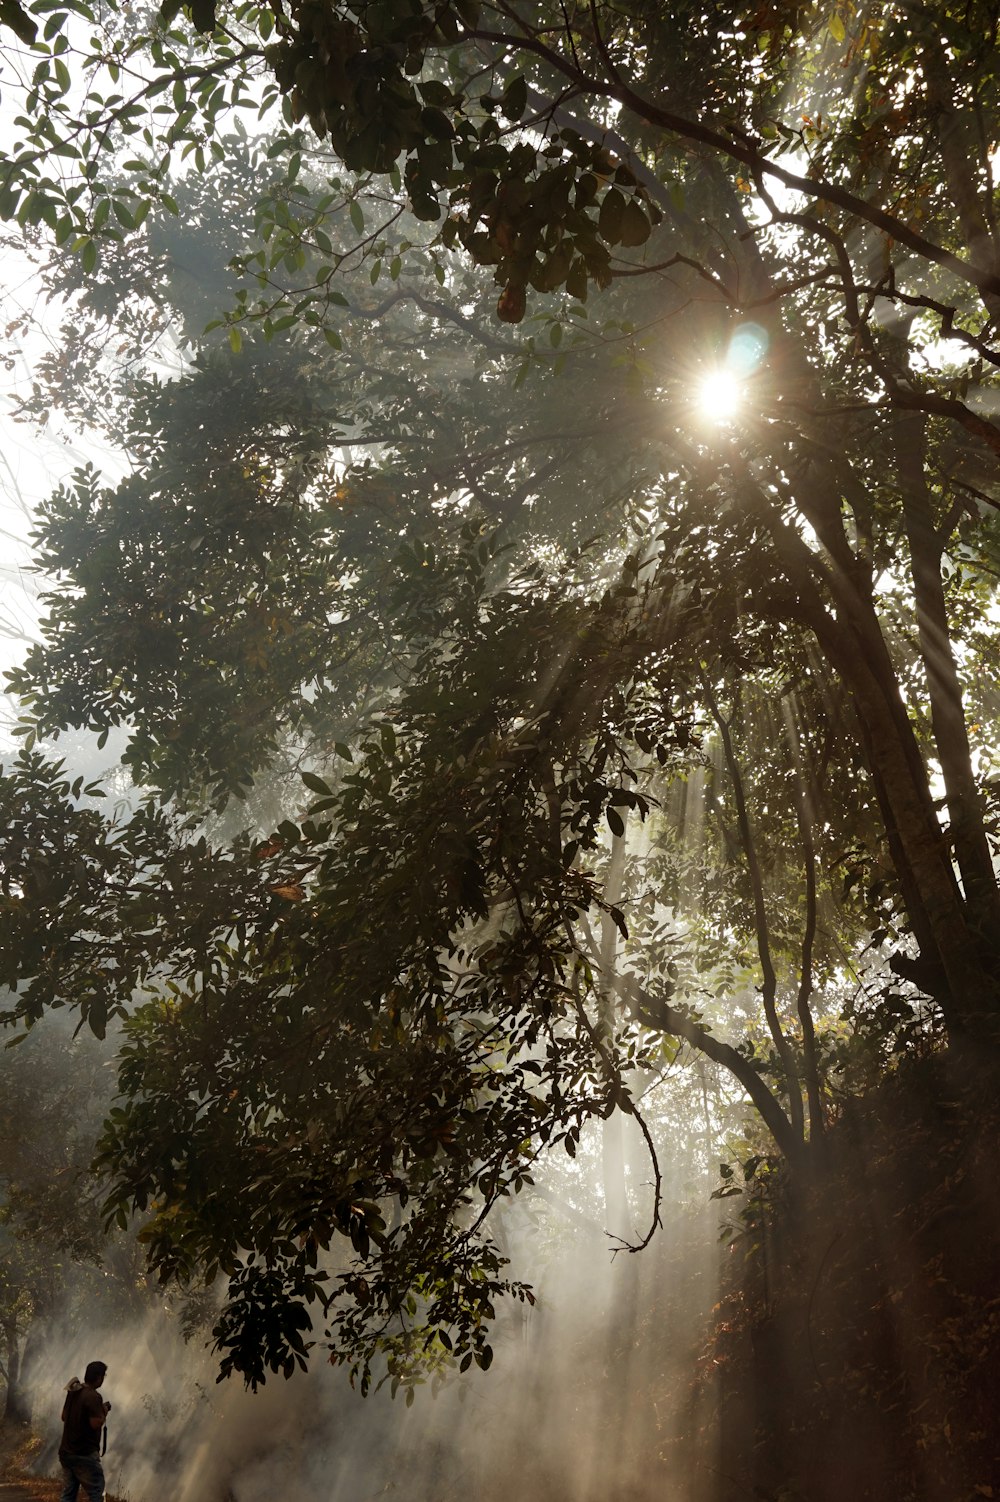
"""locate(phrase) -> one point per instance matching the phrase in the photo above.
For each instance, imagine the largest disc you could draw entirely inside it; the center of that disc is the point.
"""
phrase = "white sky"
(32, 464)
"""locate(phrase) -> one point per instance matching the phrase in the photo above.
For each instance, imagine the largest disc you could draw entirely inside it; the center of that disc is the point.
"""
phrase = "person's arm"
(97, 1411)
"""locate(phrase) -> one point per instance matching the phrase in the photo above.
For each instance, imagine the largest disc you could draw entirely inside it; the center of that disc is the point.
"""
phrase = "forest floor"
(18, 1447)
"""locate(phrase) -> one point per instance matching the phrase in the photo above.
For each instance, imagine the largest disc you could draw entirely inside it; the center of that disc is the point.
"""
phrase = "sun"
(719, 396)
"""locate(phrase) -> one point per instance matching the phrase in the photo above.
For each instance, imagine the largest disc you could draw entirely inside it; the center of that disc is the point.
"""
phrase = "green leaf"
(316, 784)
(436, 124)
(357, 216)
(203, 15)
(634, 227)
(515, 97)
(609, 218)
(433, 91)
(14, 16)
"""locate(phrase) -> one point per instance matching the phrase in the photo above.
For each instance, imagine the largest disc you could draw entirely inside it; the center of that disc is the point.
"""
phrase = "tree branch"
(657, 1013)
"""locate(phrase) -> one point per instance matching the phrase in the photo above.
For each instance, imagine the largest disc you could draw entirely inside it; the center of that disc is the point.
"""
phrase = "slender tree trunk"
(15, 1408)
(769, 979)
(966, 989)
(616, 1209)
(804, 815)
(965, 813)
(34, 1343)
(959, 150)
(961, 973)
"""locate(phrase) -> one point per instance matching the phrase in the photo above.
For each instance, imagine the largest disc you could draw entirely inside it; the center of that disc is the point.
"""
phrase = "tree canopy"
(504, 723)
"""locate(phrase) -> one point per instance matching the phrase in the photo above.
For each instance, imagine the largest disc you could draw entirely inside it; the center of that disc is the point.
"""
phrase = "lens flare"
(722, 390)
(747, 349)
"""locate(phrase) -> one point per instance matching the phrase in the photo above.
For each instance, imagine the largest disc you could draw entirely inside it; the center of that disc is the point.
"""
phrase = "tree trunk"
(769, 979)
(958, 157)
(960, 970)
(968, 834)
(16, 1408)
(617, 1219)
(804, 816)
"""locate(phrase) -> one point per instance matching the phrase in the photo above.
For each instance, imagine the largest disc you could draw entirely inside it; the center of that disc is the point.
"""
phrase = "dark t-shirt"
(78, 1436)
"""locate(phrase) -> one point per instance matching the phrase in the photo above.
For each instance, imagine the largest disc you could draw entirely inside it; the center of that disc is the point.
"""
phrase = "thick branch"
(742, 149)
(656, 1012)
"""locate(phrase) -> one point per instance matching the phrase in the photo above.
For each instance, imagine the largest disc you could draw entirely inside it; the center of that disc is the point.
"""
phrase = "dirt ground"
(18, 1446)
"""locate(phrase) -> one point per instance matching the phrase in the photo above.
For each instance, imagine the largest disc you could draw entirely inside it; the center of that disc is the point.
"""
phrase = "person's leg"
(85, 1471)
(71, 1484)
(91, 1473)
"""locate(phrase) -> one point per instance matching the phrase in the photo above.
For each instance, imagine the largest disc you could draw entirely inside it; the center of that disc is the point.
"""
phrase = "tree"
(477, 687)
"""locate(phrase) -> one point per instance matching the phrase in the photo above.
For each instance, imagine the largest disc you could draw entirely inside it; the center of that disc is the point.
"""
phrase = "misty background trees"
(518, 747)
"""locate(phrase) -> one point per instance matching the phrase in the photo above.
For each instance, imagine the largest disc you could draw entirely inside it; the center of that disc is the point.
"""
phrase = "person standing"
(83, 1415)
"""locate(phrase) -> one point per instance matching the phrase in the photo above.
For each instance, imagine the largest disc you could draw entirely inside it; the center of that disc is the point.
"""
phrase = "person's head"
(94, 1375)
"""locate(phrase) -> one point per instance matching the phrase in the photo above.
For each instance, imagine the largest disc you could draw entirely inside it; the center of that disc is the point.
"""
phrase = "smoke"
(589, 1397)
